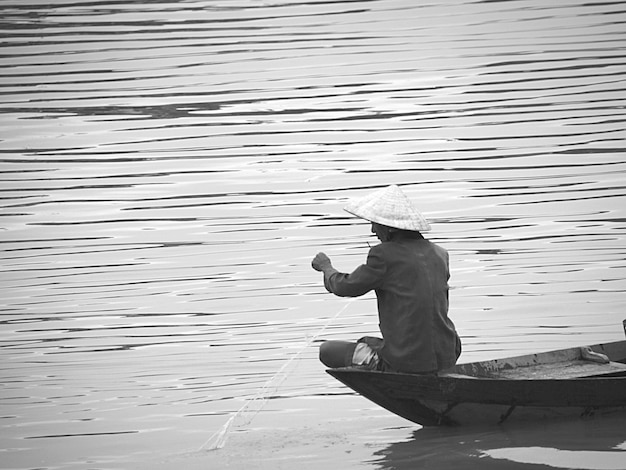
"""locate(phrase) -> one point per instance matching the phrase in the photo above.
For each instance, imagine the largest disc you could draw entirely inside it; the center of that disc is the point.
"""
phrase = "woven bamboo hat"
(391, 207)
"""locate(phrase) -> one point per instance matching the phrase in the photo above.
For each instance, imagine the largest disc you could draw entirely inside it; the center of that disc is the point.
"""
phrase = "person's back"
(413, 306)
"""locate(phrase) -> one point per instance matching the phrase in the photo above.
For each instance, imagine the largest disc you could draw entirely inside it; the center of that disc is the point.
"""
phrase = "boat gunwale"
(462, 377)
(555, 357)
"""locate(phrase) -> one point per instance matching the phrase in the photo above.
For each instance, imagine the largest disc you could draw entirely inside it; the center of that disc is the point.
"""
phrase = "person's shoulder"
(382, 250)
(437, 247)
(428, 245)
(441, 251)
(379, 248)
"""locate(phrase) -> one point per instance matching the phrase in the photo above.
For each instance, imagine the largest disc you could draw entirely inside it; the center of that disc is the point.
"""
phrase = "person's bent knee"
(336, 354)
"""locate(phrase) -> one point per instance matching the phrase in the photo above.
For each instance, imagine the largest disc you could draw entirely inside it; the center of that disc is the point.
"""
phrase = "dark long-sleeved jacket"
(410, 277)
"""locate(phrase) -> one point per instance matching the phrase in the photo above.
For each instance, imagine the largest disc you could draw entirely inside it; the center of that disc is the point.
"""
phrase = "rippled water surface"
(169, 168)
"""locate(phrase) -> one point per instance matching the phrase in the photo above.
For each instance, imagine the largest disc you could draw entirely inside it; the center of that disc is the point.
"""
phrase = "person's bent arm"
(362, 280)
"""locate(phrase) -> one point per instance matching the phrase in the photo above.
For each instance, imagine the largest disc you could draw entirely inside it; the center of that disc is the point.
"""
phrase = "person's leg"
(336, 354)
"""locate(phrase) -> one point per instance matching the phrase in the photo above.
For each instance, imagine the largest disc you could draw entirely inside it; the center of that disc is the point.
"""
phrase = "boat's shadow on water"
(583, 444)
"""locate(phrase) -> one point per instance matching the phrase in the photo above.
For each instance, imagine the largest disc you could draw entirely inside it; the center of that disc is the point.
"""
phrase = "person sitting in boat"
(410, 277)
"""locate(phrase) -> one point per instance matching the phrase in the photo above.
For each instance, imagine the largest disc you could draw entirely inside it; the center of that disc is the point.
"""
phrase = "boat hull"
(491, 396)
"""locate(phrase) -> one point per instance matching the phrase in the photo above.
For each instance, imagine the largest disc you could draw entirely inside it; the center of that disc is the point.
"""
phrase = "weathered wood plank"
(561, 370)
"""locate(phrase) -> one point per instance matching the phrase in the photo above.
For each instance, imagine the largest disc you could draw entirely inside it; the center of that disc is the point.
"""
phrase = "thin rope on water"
(218, 439)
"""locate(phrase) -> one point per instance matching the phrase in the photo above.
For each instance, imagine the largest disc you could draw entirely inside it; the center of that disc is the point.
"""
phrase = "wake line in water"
(218, 439)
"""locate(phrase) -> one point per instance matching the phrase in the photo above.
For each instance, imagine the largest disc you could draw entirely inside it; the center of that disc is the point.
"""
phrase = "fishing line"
(218, 439)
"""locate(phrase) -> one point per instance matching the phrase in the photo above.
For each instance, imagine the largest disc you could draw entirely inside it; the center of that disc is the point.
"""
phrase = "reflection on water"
(600, 460)
(579, 445)
(168, 169)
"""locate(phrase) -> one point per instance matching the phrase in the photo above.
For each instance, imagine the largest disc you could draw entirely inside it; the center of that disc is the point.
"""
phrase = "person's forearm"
(328, 271)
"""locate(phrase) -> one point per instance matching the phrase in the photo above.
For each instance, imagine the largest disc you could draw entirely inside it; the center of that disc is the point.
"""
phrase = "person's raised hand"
(320, 262)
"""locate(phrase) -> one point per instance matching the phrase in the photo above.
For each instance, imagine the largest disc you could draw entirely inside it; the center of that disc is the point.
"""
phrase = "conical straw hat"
(390, 207)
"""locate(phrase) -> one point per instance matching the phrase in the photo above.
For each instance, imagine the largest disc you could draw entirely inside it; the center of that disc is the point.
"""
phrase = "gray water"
(169, 168)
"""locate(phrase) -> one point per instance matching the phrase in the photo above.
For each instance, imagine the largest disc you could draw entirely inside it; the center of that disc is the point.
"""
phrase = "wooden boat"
(557, 384)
